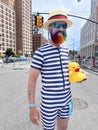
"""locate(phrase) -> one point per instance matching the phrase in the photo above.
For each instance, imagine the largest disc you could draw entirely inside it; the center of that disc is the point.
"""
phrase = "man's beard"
(59, 37)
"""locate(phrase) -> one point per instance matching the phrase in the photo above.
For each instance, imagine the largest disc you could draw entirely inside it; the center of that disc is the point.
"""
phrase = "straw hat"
(56, 16)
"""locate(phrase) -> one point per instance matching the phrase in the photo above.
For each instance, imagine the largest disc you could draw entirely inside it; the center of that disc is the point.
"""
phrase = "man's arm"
(34, 114)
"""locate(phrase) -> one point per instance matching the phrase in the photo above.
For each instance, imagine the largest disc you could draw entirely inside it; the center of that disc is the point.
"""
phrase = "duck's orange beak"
(77, 69)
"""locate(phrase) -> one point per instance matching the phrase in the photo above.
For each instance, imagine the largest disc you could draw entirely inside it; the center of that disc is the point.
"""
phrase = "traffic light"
(35, 22)
(38, 21)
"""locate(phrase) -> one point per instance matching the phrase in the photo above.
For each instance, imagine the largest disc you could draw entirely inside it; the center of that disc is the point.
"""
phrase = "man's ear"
(49, 28)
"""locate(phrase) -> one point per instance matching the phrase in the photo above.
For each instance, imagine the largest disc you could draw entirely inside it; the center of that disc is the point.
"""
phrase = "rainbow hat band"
(56, 16)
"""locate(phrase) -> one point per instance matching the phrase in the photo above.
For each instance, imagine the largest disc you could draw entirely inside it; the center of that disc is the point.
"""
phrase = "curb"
(94, 71)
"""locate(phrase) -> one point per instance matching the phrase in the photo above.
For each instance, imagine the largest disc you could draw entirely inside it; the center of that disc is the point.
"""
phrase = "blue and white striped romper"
(56, 101)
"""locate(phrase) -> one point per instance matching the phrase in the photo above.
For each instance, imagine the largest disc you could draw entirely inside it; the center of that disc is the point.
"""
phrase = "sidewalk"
(14, 112)
(15, 65)
(93, 70)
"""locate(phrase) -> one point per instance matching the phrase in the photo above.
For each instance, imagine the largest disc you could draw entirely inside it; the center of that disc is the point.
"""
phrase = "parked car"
(23, 58)
(9, 59)
(90, 57)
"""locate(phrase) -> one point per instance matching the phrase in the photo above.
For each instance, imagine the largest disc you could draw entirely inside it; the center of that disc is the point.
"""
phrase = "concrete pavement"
(14, 114)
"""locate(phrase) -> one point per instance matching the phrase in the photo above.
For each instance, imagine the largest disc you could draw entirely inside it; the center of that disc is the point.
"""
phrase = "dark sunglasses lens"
(64, 26)
(57, 25)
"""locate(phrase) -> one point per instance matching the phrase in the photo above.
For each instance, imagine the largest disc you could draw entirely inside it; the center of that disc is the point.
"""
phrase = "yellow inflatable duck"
(75, 75)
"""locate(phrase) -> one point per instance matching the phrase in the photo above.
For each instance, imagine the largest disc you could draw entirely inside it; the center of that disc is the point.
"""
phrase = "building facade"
(7, 27)
(10, 3)
(23, 26)
(16, 26)
(96, 33)
(36, 41)
(89, 34)
(87, 39)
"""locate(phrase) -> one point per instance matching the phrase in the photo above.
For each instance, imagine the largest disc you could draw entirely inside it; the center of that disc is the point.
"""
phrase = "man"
(51, 60)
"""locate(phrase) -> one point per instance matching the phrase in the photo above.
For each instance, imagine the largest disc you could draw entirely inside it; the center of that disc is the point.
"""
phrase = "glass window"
(2, 25)
(97, 39)
(96, 48)
(2, 6)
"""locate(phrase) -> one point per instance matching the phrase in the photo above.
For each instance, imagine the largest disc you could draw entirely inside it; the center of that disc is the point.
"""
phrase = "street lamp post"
(73, 52)
(76, 17)
(78, 0)
(73, 49)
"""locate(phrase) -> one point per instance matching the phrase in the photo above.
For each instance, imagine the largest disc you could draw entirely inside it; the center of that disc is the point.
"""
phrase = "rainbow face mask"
(59, 37)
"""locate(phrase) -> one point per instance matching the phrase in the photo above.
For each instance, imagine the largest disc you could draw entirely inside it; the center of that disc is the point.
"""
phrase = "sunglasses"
(59, 25)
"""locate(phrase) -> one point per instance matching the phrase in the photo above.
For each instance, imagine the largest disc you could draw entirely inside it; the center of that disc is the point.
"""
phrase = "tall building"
(87, 39)
(16, 26)
(7, 26)
(10, 3)
(96, 33)
(23, 10)
(89, 34)
(36, 41)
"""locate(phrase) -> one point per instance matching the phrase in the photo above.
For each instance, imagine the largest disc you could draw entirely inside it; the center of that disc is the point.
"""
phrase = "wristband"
(32, 105)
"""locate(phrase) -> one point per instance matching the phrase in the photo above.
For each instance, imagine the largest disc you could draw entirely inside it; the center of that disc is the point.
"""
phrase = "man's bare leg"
(62, 124)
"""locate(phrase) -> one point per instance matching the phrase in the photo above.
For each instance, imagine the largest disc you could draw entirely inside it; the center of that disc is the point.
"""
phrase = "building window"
(2, 6)
(97, 39)
(96, 48)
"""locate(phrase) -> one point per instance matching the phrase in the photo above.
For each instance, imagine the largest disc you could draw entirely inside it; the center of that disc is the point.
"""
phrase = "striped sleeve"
(37, 60)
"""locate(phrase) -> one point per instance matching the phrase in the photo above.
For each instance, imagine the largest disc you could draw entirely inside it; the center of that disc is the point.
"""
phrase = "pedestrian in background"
(51, 60)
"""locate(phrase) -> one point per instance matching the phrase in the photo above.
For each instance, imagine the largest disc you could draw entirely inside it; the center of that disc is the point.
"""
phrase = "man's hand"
(82, 71)
(34, 115)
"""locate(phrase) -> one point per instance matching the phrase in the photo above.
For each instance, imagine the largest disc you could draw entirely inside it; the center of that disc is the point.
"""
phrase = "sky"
(73, 7)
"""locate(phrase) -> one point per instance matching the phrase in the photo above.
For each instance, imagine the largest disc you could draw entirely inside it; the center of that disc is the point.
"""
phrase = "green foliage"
(9, 52)
(32, 54)
(17, 55)
(26, 55)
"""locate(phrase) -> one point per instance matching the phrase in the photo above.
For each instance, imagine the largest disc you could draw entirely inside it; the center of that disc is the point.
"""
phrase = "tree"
(9, 52)
(32, 53)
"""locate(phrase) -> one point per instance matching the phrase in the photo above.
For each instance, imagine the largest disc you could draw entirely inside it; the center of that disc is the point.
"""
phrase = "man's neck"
(53, 44)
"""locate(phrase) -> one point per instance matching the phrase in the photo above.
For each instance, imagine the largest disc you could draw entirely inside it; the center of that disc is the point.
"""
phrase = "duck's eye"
(73, 67)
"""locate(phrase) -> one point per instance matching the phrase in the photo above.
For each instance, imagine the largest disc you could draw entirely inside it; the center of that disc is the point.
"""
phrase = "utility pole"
(79, 0)
(82, 18)
(73, 49)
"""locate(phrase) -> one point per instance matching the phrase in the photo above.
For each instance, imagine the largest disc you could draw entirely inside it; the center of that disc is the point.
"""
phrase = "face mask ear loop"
(49, 38)
(65, 36)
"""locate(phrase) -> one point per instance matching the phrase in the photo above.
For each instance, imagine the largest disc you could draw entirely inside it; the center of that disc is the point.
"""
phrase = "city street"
(14, 114)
